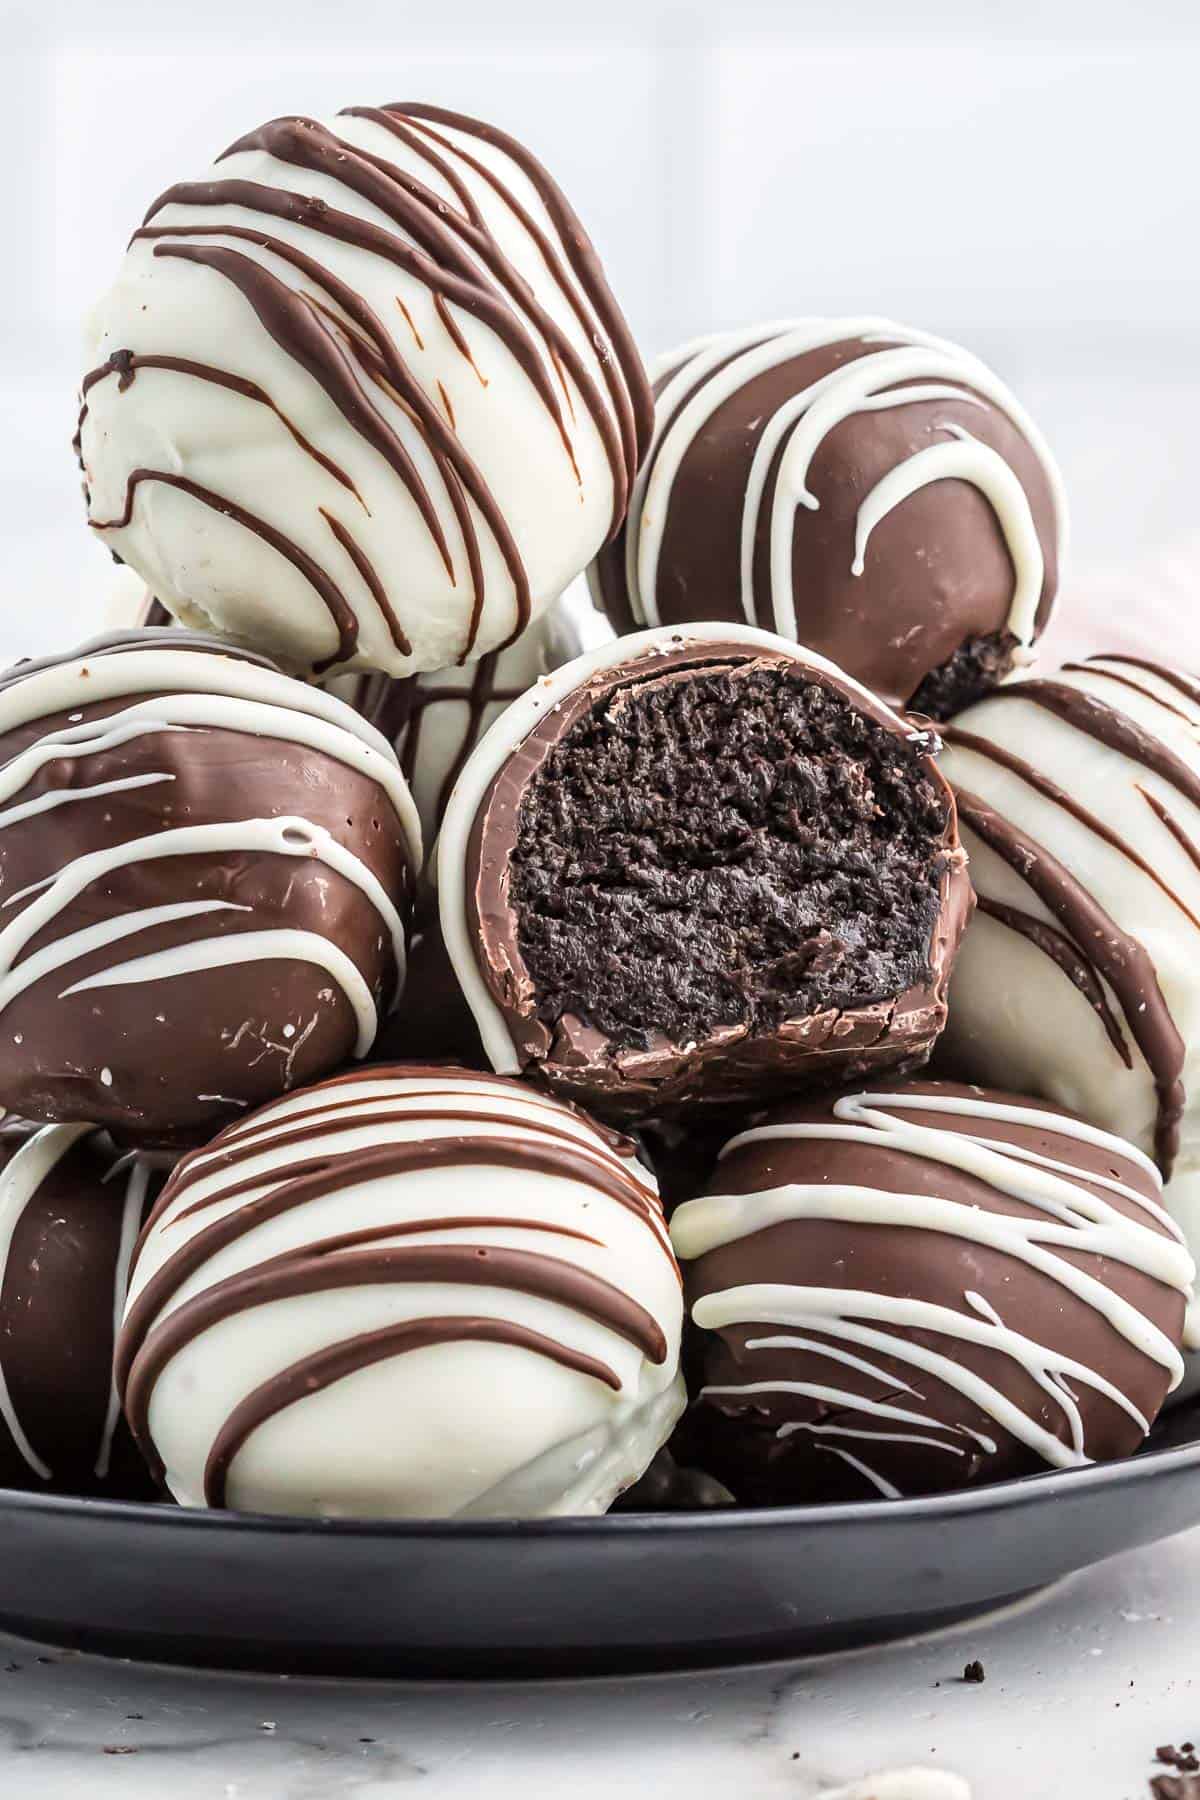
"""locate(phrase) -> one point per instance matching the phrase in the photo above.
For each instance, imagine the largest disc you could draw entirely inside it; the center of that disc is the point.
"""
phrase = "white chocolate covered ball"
(361, 396)
(408, 1292)
(1079, 976)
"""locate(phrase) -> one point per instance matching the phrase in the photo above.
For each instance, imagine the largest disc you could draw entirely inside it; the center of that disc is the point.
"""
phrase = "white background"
(1022, 177)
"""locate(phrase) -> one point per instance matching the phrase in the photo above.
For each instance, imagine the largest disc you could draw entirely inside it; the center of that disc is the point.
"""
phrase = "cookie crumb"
(1183, 1760)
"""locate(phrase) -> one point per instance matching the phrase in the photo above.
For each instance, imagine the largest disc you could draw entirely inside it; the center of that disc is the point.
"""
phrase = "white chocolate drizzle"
(138, 1171)
(1067, 1214)
(191, 691)
(907, 367)
(19, 1182)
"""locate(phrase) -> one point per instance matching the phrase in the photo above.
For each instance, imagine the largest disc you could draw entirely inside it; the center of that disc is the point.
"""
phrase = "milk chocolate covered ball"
(71, 1207)
(205, 874)
(921, 1287)
(875, 493)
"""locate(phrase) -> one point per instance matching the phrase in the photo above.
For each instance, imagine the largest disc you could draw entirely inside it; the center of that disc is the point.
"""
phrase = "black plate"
(572, 1596)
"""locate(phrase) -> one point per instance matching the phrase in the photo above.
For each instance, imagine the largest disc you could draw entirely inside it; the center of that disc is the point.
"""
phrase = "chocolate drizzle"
(435, 229)
(1050, 790)
(335, 337)
(1092, 668)
(125, 365)
(340, 609)
(370, 342)
(1183, 684)
(480, 692)
(580, 253)
(1109, 952)
(328, 1173)
(1188, 845)
(370, 579)
(300, 331)
(331, 1264)
(1065, 954)
(1115, 730)
(312, 1374)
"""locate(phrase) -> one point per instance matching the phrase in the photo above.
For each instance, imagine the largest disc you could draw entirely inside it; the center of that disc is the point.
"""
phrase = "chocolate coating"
(915, 1290)
(693, 870)
(872, 492)
(206, 870)
(70, 1210)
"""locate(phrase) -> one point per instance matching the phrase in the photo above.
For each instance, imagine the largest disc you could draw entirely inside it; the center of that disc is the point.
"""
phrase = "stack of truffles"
(374, 962)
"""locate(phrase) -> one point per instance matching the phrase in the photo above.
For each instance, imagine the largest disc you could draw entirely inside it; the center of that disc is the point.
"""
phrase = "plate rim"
(992, 1496)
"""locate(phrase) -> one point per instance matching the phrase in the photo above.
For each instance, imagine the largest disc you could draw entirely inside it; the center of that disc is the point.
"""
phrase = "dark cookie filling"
(973, 671)
(725, 847)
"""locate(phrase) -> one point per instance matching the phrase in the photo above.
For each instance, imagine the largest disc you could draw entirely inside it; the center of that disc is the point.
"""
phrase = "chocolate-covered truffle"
(205, 869)
(908, 1291)
(871, 491)
(1079, 796)
(71, 1206)
(691, 869)
(362, 395)
(407, 1292)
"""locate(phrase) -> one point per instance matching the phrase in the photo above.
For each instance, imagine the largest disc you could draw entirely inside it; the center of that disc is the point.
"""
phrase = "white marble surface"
(1081, 1686)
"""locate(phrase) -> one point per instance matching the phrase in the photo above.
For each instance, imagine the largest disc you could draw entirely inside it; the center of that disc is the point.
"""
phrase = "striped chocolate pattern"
(908, 1290)
(418, 314)
(170, 812)
(338, 1233)
(1079, 797)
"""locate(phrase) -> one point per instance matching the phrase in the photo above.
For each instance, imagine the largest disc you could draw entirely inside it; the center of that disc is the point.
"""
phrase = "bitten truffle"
(695, 868)
(873, 492)
(206, 870)
(921, 1288)
(408, 1292)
